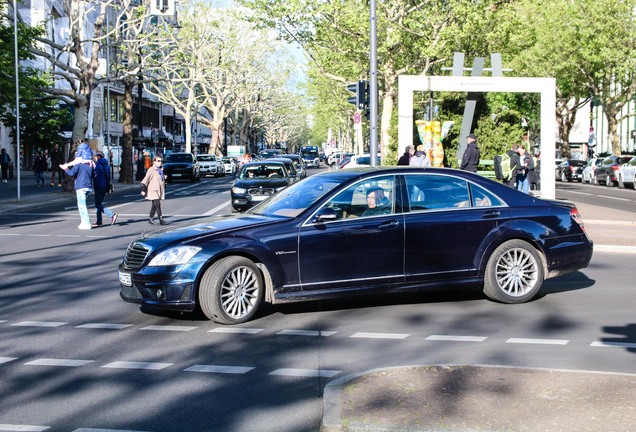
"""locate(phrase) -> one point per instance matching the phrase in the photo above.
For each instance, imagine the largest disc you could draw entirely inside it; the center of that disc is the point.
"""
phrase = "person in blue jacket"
(101, 183)
(83, 174)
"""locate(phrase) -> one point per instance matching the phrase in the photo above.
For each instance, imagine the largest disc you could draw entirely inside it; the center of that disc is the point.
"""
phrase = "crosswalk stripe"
(104, 326)
(59, 362)
(136, 365)
(452, 338)
(39, 324)
(380, 335)
(306, 333)
(308, 373)
(220, 369)
(168, 328)
(538, 341)
(236, 330)
(7, 359)
(22, 428)
(613, 344)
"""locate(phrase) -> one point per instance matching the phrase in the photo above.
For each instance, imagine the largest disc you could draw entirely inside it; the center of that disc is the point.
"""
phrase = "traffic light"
(360, 100)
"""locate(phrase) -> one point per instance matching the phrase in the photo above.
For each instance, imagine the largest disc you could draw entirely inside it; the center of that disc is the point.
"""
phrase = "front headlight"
(238, 190)
(174, 256)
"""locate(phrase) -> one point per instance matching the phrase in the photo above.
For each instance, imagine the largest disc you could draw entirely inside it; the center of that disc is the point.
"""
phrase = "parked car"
(299, 164)
(357, 161)
(181, 166)
(607, 172)
(627, 174)
(570, 169)
(438, 227)
(589, 171)
(230, 165)
(210, 165)
(258, 181)
(336, 158)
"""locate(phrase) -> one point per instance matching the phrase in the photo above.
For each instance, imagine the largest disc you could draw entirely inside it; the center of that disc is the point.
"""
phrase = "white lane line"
(235, 330)
(168, 328)
(613, 344)
(538, 341)
(10, 234)
(22, 428)
(306, 333)
(3, 321)
(136, 365)
(380, 335)
(216, 209)
(456, 338)
(219, 369)
(38, 235)
(59, 362)
(7, 359)
(39, 324)
(104, 326)
(68, 235)
(104, 430)
(309, 373)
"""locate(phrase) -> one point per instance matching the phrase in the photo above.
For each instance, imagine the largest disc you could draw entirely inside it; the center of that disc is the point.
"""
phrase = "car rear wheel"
(608, 181)
(231, 290)
(514, 273)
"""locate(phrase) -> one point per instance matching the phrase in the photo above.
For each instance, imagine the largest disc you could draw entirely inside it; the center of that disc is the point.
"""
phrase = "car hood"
(205, 227)
(270, 183)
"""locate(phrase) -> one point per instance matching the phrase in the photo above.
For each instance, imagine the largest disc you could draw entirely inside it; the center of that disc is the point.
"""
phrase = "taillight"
(572, 169)
(615, 167)
(576, 217)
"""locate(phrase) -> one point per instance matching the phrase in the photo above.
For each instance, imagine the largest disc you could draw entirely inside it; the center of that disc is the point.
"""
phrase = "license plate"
(260, 197)
(125, 279)
(176, 175)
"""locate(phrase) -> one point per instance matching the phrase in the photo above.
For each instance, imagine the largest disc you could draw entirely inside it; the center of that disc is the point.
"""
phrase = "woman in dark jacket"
(101, 182)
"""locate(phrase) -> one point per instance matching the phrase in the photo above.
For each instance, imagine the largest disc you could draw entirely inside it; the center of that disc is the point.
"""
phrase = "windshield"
(295, 199)
(179, 157)
(262, 171)
(206, 158)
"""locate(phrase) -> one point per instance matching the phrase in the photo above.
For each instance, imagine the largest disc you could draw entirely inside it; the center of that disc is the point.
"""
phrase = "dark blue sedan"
(359, 231)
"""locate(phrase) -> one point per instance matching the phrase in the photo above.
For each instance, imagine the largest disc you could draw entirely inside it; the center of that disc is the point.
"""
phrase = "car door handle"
(389, 224)
(491, 214)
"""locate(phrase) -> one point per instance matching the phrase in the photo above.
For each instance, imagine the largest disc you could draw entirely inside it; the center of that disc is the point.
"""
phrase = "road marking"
(306, 333)
(219, 369)
(168, 328)
(9, 234)
(380, 335)
(235, 330)
(613, 344)
(538, 341)
(136, 365)
(22, 428)
(3, 321)
(38, 235)
(68, 235)
(39, 324)
(309, 373)
(104, 430)
(457, 338)
(104, 326)
(216, 209)
(7, 359)
(59, 362)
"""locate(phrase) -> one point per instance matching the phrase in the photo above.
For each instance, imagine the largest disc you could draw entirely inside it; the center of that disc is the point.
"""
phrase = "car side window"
(370, 197)
(483, 198)
(436, 192)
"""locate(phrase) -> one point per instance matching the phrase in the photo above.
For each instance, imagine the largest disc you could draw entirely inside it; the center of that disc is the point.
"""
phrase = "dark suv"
(569, 170)
(607, 171)
(181, 166)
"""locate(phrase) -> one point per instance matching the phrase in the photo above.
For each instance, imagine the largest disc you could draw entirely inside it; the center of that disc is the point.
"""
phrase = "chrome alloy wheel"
(240, 292)
(517, 272)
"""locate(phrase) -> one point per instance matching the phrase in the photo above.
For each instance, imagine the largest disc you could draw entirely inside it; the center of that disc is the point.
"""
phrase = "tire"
(514, 273)
(608, 181)
(231, 290)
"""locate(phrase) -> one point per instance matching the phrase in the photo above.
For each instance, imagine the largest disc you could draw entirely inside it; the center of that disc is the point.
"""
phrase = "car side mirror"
(325, 214)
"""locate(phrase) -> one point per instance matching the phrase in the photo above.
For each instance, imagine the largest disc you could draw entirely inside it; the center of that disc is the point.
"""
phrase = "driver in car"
(377, 202)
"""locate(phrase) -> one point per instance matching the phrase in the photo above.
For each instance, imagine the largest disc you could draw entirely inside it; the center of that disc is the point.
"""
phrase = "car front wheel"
(514, 273)
(231, 290)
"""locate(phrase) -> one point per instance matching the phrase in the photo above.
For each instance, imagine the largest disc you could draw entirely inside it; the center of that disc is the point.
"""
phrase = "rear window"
(622, 160)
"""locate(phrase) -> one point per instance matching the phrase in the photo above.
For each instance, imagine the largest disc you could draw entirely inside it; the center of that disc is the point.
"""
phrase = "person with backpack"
(506, 166)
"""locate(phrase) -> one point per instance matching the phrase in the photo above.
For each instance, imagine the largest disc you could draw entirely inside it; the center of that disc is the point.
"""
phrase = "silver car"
(589, 171)
(627, 174)
(210, 165)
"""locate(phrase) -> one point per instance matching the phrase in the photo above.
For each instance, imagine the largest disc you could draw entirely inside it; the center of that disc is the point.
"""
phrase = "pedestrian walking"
(83, 174)
(526, 163)
(39, 166)
(153, 188)
(101, 185)
(5, 160)
(409, 151)
(471, 156)
(57, 159)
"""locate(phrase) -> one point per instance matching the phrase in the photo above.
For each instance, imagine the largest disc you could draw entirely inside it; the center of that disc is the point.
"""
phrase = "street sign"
(357, 117)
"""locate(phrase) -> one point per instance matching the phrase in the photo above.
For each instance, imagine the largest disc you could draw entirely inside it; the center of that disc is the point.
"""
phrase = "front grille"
(261, 191)
(135, 255)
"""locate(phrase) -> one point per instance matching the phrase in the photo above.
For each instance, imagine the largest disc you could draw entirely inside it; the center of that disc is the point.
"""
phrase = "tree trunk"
(126, 168)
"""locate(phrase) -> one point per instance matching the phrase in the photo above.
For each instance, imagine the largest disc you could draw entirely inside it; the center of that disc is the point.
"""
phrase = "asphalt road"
(73, 356)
